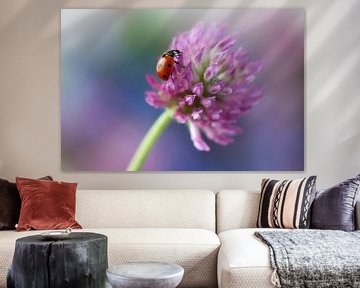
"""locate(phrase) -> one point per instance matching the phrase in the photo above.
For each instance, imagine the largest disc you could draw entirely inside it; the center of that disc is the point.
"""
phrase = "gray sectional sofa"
(210, 235)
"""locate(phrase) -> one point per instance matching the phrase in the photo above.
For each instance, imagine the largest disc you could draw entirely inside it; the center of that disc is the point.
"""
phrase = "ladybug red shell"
(166, 64)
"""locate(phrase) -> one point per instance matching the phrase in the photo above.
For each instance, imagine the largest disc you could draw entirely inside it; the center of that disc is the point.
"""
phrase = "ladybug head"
(173, 53)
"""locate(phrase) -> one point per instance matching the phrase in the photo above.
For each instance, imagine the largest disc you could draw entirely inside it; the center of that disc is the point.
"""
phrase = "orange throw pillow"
(46, 204)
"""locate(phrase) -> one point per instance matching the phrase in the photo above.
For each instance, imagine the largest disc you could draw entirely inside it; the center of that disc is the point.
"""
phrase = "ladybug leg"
(178, 63)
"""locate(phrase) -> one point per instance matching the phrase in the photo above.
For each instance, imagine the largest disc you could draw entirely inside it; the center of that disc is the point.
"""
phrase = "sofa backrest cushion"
(236, 209)
(146, 209)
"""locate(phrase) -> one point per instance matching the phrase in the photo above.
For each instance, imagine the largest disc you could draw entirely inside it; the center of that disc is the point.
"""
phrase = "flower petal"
(208, 101)
(216, 115)
(181, 117)
(211, 71)
(152, 81)
(219, 57)
(198, 56)
(226, 43)
(255, 66)
(196, 32)
(217, 137)
(154, 99)
(198, 89)
(215, 88)
(226, 91)
(195, 135)
(189, 99)
(182, 103)
(196, 114)
(170, 87)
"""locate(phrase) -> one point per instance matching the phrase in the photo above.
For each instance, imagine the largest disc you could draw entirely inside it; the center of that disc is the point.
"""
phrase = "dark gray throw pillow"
(10, 204)
(334, 208)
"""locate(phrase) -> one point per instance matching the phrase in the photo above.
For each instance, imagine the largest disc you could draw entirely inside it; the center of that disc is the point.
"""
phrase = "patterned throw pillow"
(286, 204)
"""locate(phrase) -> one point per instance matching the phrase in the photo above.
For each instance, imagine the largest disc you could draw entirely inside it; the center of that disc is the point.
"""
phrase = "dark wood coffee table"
(80, 261)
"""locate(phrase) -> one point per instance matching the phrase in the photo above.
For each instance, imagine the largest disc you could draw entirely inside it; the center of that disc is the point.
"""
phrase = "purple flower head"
(211, 86)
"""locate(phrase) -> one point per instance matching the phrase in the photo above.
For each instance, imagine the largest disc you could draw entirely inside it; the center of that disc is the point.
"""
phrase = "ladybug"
(166, 64)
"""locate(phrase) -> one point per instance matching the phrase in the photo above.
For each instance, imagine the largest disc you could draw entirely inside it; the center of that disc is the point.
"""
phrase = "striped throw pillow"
(286, 204)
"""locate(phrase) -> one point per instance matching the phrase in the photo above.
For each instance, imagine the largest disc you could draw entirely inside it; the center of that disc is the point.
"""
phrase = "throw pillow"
(46, 204)
(10, 204)
(334, 208)
(286, 204)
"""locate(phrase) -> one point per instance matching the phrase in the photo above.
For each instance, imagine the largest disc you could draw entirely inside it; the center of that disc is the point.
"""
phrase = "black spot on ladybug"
(165, 77)
(169, 65)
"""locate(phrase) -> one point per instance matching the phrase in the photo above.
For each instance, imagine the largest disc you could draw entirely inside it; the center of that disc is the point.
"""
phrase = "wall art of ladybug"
(166, 64)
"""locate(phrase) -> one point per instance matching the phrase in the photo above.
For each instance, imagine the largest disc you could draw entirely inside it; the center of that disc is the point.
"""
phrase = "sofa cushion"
(153, 209)
(236, 209)
(244, 261)
(334, 208)
(194, 249)
(286, 204)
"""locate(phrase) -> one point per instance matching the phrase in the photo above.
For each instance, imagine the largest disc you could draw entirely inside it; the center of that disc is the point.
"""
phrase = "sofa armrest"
(357, 215)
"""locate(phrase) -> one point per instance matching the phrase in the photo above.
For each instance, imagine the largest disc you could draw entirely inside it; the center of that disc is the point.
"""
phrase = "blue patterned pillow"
(334, 208)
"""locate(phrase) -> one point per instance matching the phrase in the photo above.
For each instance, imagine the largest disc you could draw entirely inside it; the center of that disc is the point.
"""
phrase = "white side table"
(145, 275)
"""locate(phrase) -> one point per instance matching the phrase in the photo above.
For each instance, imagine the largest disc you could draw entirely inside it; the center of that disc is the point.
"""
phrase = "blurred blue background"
(105, 54)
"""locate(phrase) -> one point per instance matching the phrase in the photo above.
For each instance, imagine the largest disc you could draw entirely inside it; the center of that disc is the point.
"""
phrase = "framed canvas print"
(182, 89)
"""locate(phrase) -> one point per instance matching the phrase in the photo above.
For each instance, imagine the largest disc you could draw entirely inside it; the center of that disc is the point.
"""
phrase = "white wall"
(30, 99)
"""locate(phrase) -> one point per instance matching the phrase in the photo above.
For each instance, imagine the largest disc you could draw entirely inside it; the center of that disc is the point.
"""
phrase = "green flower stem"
(149, 140)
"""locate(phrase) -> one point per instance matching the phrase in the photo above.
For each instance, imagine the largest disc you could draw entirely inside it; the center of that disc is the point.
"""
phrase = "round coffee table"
(145, 275)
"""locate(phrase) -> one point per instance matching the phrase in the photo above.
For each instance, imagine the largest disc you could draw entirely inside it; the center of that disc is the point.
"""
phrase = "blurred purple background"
(105, 54)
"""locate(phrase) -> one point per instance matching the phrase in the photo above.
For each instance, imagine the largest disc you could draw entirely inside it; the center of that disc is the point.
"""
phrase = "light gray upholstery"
(357, 215)
(146, 209)
(236, 209)
(243, 261)
(176, 226)
(196, 250)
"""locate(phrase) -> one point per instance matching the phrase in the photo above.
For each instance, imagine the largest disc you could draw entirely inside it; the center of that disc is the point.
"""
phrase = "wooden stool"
(78, 261)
